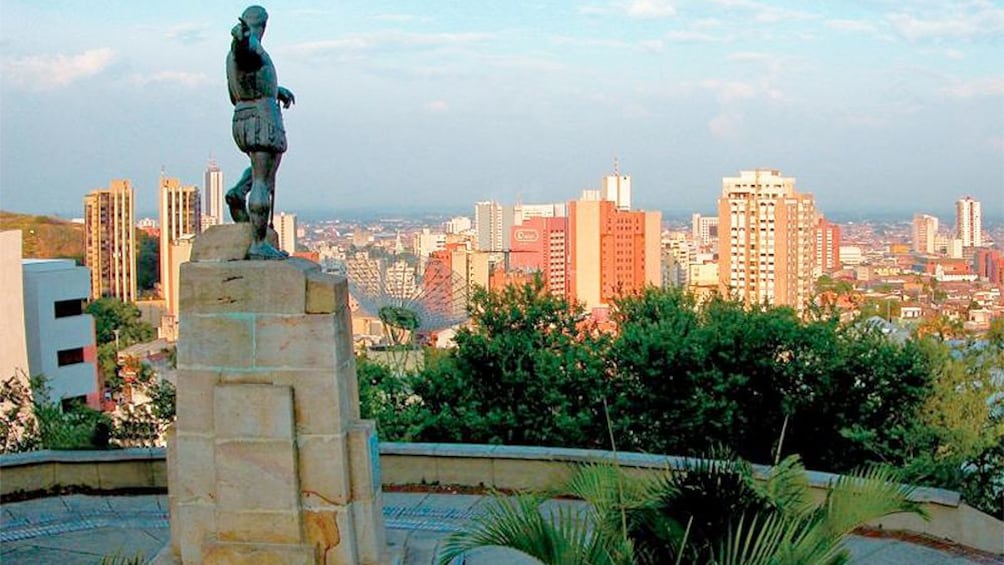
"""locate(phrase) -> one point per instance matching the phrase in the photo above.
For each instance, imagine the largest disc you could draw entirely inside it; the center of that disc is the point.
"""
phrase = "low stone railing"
(488, 466)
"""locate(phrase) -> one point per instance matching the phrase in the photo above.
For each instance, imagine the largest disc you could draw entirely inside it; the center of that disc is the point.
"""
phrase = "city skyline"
(875, 108)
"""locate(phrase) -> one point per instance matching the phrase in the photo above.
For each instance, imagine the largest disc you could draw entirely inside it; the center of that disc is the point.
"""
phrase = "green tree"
(111, 317)
(147, 261)
(523, 372)
(389, 399)
(958, 442)
(111, 314)
(724, 373)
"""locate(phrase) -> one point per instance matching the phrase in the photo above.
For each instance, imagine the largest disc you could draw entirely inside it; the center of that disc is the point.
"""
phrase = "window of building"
(64, 308)
(70, 356)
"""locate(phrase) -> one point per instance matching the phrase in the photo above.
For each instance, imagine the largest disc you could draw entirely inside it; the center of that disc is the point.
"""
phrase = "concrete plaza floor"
(83, 529)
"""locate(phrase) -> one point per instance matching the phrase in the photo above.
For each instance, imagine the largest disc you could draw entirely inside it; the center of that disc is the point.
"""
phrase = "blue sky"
(873, 106)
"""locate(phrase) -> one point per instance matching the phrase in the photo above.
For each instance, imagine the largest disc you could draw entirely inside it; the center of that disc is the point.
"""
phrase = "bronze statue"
(257, 128)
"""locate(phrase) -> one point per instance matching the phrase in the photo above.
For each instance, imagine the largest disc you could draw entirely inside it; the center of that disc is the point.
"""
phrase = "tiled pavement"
(82, 529)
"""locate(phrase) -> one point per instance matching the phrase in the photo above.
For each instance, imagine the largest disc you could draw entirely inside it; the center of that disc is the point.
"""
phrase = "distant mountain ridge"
(45, 237)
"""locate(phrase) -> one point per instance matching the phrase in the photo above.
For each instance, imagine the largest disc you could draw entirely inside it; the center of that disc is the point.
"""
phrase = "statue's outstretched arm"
(246, 46)
(285, 96)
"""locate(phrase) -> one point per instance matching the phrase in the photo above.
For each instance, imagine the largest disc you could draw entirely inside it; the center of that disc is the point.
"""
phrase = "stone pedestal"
(268, 461)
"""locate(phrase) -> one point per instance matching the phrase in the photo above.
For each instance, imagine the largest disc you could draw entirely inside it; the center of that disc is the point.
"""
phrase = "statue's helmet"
(255, 16)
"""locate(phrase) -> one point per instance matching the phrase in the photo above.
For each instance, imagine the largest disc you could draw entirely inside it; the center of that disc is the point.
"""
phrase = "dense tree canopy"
(110, 316)
(147, 261)
(680, 377)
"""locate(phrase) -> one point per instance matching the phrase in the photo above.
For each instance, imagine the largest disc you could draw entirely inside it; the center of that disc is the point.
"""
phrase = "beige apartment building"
(925, 233)
(110, 241)
(766, 239)
(180, 221)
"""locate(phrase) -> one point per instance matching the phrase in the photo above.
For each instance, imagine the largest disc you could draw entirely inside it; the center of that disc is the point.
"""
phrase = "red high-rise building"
(540, 244)
(827, 246)
(611, 252)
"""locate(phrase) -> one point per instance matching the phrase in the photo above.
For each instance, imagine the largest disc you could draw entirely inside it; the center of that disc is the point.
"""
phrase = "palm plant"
(712, 511)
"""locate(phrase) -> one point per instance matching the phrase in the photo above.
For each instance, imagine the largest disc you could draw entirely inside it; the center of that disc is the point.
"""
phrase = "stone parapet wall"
(488, 466)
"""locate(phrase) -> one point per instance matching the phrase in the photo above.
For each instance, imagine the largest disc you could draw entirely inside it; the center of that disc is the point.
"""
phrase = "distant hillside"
(44, 237)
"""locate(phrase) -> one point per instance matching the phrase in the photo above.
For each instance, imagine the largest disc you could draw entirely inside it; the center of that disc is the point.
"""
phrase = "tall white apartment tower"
(968, 222)
(215, 211)
(285, 228)
(492, 222)
(766, 239)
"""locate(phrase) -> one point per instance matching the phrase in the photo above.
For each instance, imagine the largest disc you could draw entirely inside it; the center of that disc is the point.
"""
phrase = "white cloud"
(730, 91)
(386, 40)
(400, 18)
(726, 125)
(53, 71)
(437, 106)
(589, 42)
(993, 86)
(984, 21)
(749, 57)
(766, 13)
(631, 8)
(650, 45)
(650, 9)
(688, 36)
(653, 45)
(188, 32)
(854, 26)
(180, 78)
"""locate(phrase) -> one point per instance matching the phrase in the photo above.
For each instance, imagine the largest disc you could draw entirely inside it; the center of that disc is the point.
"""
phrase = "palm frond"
(609, 491)
(787, 488)
(753, 541)
(562, 536)
(853, 500)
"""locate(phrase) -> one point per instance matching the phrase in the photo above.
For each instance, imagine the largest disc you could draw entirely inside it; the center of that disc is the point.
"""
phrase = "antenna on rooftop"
(617, 169)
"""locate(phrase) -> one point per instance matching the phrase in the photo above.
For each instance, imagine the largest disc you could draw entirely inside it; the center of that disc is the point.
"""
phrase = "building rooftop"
(39, 265)
(78, 528)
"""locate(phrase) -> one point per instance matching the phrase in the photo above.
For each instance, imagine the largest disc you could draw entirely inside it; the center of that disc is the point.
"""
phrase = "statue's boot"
(236, 198)
(260, 207)
(263, 250)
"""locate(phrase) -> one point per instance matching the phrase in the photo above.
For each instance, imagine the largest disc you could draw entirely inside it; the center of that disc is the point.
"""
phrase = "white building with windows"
(969, 222)
(59, 335)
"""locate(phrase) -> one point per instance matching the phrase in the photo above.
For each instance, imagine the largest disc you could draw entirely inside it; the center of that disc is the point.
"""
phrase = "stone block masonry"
(268, 460)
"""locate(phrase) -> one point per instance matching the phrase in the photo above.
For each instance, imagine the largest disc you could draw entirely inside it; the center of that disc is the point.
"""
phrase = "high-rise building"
(704, 231)
(215, 211)
(426, 242)
(524, 212)
(180, 219)
(492, 222)
(827, 247)
(677, 251)
(459, 224)
(616, 188)
(969, 222)
(110, 241)
(766, 239)
(540, 244)
(285, 228)
(611, 252)
(925, 233)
